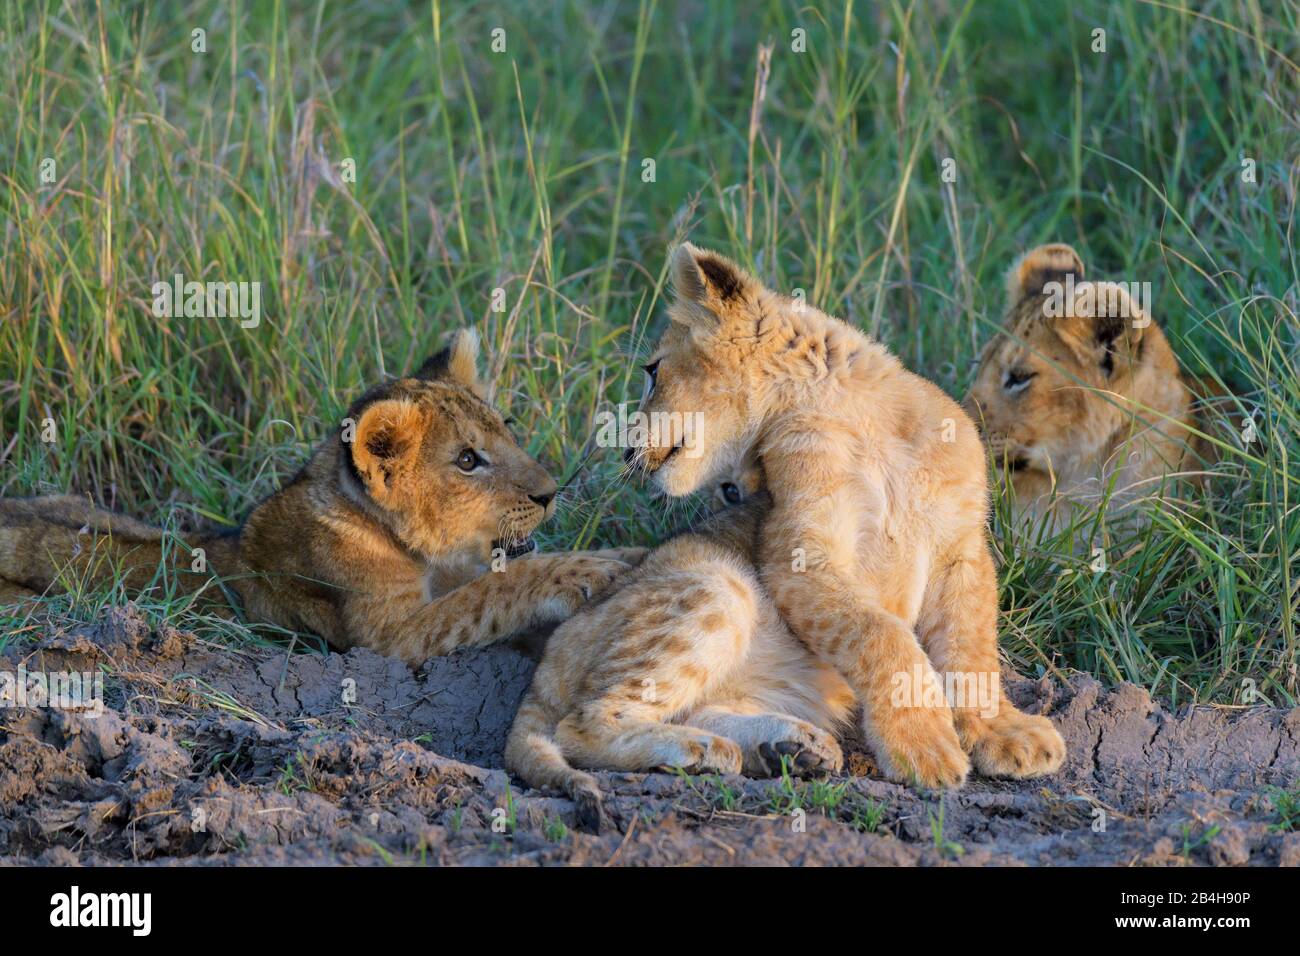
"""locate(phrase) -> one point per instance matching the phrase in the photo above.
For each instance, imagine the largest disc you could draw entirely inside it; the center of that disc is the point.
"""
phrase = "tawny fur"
(686, 664)
(1077, 407)
(382, 541)
(875, 549)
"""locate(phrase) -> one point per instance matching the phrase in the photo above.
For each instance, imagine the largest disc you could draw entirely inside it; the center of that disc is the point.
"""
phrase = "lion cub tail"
(533, 753)
(63, 538)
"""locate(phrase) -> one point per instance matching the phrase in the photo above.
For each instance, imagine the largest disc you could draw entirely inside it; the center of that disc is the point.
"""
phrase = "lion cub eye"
(468, 460)
(1017, 380)
(731, 493)
(652, 370)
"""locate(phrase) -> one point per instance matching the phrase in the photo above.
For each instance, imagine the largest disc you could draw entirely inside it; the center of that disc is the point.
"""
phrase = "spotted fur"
(383, 540)
(874, 550)
(687, 664)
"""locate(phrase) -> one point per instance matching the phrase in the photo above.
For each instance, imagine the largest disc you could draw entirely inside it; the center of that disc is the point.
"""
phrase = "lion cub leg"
(913, 741)
(636, 739)
(779, 703)
(958, 628)
(397, 618)
(766, 737)
(661, 645)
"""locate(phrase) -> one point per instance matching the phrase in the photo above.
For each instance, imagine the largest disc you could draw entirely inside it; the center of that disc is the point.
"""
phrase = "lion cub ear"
(386, 443)
(707, 286)
(1037, 267)
(1105, 323)
(458, 362)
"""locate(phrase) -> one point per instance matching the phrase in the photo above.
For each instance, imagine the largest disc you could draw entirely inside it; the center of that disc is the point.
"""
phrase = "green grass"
(523, 171)
(297, 774)
(554, 829)
(942, 845)
(1196, 841)
(866, 815)
(722, 796)
(1286, 804)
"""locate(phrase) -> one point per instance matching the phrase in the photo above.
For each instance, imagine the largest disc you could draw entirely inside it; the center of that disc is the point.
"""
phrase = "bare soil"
(207, 755)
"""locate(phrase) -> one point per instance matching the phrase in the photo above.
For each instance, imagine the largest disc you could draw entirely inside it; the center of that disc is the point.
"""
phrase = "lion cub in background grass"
(687, 664)
(1085, 403)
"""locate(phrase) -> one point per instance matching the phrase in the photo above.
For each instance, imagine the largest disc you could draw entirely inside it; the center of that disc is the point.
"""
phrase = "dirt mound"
(211, 755)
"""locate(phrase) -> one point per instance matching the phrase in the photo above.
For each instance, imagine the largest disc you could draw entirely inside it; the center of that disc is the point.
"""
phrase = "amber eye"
(731, 493)
(468, 460)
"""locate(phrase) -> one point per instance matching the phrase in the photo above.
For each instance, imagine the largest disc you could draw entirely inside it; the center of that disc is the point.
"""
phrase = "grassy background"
(523, 171)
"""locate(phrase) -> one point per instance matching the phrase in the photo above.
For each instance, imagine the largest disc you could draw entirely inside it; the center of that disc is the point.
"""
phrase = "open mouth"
(517, 547)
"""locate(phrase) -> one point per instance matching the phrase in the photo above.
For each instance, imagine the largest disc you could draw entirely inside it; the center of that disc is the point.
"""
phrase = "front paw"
(583, 578)
(920, 746)
(1019, 746)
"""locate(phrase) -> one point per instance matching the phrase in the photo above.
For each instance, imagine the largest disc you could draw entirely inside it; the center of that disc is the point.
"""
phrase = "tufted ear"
(1104, 323)
(1037, 267)
(458, 362)
(706, 286)
(387, 442)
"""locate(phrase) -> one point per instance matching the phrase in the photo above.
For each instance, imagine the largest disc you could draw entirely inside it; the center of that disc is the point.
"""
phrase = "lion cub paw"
(808, 750)
(922, 749)
(589, 805)
(1018, 745)
(704, 753)
(582, 578)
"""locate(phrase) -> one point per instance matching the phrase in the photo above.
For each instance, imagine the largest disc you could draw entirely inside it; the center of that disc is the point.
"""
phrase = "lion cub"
(383, 540)
(875, 548)
(687, 664)
(1080, 396)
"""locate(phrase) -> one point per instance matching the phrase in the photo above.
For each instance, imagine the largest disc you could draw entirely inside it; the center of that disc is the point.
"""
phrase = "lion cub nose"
(543, 500)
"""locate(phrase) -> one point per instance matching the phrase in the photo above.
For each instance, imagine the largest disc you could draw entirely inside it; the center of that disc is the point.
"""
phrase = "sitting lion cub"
(1080, 396)
(687, 664)
(875, 548)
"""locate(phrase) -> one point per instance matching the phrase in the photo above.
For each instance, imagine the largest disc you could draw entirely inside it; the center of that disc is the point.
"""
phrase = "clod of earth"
(211, 755)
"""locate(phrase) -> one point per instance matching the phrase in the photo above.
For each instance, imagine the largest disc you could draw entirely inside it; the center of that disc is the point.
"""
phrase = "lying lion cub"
(687, 664)
(1080, 395)
(383, 540)
(875, 550)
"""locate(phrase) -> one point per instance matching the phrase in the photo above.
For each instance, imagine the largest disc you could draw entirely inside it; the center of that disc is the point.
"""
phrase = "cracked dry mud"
(208, 755)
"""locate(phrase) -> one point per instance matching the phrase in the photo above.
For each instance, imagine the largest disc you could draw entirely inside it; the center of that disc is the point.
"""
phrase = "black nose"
(542, 500)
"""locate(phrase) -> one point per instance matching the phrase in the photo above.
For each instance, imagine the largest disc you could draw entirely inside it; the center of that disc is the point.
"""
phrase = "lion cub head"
(433, 461)
(709, 379)
(1077, 369)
